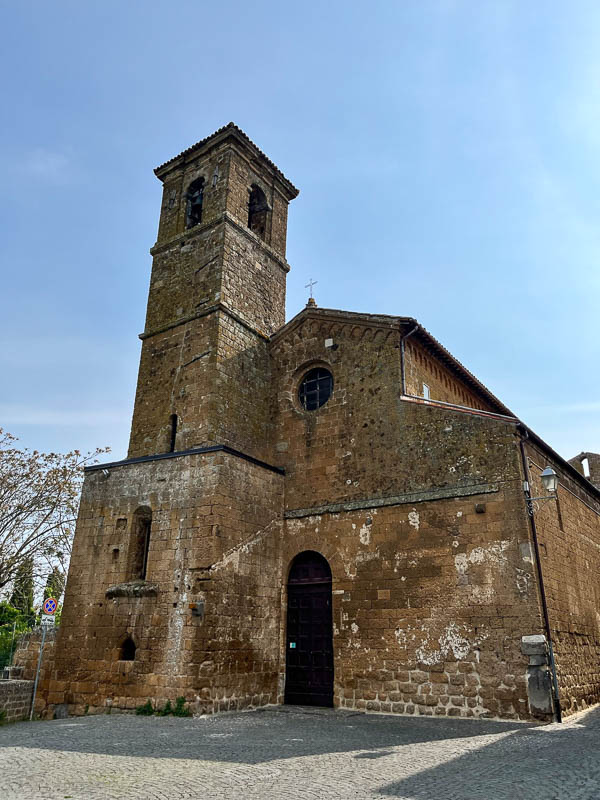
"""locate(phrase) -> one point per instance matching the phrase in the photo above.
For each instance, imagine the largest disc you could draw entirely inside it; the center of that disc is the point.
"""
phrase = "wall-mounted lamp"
(550, 483)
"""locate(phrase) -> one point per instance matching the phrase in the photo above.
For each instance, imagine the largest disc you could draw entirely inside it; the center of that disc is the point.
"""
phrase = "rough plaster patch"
(493, 554)
(413, 519)
(400, 634)
(453, 639)
(523, 581)
(365, 534)
(526, 552)
(362, 557)
(482, 594)
(232, 557)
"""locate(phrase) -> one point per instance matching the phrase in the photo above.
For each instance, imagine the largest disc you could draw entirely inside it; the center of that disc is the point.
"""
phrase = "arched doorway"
(309, 637)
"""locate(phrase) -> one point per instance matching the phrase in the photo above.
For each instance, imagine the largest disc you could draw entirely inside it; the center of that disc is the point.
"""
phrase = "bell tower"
(217, 292)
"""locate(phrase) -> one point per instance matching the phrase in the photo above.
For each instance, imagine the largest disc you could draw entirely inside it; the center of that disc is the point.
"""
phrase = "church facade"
(331, 511)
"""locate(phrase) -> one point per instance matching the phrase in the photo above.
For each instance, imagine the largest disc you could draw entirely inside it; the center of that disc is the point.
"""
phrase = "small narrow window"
(426, 391)
(257, 211)
(586, 467)
(173, 436)
(193, 206)
(127, 650)
(142, 526)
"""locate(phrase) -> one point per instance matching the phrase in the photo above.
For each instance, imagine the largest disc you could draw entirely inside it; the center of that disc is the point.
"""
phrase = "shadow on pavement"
(558, 762)
(253, 737)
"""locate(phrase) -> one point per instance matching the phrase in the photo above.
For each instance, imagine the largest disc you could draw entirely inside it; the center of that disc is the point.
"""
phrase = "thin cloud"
(48, 166)
(24, 415)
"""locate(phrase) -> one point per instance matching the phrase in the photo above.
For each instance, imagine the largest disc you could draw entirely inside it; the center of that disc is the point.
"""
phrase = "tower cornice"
(191, 233)
(229, 131)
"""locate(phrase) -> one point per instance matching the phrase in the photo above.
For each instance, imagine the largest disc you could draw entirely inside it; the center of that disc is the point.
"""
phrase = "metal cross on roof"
(310, 285)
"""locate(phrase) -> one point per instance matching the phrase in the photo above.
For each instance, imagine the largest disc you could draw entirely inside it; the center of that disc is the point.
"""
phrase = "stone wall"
(569, 543)
(421, 515)
(15, 700)
(429, 602)
(26, 660)
(192, 634)
(418, 509)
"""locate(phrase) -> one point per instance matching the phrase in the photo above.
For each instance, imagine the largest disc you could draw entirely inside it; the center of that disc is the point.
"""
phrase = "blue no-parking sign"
(49, 606)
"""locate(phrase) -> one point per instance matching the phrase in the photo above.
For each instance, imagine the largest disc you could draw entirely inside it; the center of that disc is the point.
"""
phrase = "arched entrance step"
(309, 635)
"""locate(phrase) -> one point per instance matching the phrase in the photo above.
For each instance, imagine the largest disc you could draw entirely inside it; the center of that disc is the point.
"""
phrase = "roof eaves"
(337, 315)
(449, 359)
(230, 128)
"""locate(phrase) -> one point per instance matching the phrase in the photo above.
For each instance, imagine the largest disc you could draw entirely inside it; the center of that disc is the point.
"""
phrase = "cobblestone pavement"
(299, 753)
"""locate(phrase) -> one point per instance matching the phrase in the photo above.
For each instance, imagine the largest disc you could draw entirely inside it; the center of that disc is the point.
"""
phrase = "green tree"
(55, 584)
(39, 500)
(13, 623)
(22, 593)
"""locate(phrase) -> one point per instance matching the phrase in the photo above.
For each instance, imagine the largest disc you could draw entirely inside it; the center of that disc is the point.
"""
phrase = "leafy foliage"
(13, 623)
(22, 593)
(168, 709)
(146, 710)
(39, 498)
(180, 710)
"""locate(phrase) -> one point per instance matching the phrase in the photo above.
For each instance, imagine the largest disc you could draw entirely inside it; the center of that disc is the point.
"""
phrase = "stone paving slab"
(292, 753)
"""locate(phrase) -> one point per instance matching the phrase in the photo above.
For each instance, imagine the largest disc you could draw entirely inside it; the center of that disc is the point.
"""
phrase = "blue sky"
(447, 153)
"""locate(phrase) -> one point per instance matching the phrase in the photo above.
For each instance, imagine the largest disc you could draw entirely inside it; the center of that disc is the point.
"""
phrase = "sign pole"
(37, 674)
(48, 610)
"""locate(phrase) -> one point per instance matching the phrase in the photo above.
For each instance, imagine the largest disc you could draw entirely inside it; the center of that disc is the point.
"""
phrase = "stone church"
(329, 511)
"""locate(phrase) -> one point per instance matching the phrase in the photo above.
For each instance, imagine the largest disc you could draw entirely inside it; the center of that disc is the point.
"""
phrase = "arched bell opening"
(309, 632)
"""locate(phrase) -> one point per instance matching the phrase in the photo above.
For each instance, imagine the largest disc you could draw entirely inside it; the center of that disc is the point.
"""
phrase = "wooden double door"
(309, 640)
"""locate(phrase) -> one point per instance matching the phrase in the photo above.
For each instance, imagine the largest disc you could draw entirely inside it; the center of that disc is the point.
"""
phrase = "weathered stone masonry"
(416, 498)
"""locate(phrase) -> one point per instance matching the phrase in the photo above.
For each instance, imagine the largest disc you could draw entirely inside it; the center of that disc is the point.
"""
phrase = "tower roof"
(230, 130)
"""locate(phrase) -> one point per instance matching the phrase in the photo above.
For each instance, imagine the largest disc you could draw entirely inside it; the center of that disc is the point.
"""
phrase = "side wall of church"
(569, 543)
(197, 631)
(422, 367)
